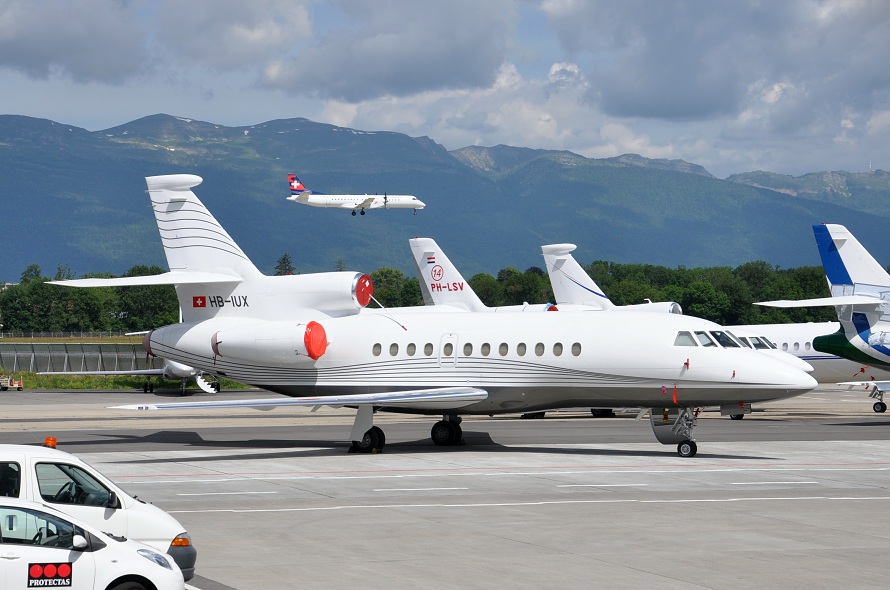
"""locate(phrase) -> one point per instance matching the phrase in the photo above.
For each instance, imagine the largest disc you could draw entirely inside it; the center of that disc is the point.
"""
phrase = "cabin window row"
(485, 349)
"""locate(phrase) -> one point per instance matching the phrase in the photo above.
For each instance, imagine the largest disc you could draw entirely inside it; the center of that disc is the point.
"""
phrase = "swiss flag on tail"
(296, 187)
(199, 301)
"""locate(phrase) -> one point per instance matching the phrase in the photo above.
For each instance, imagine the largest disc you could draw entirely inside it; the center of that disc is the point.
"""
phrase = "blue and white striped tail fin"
(849, 267)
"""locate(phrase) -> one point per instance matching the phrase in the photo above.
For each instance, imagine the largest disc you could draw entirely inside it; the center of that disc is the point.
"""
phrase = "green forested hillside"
(77, 198)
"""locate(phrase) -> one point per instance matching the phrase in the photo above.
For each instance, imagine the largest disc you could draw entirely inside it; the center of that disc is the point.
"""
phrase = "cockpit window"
(684, 339)
(704, 339)
(743, 341)
(769, 342)
(724, 339)
(759, 344)
(738, 340)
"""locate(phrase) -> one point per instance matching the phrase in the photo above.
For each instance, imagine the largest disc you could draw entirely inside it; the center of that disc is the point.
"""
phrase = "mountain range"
(76, 198)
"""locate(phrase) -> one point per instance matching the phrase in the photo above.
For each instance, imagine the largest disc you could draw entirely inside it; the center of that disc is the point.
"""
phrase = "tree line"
(721, 294)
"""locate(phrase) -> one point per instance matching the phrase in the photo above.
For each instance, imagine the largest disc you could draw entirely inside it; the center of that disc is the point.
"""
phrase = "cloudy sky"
(791, 87)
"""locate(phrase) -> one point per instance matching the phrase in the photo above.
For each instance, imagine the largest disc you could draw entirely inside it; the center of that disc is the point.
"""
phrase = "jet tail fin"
(570, 282)
(440, 281)
(296, 185)
(848, 265)
(193, 239)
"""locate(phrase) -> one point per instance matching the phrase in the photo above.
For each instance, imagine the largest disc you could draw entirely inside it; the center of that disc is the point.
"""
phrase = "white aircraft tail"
(570, 282)
(193, 239)
(214, 277)
(440, 281)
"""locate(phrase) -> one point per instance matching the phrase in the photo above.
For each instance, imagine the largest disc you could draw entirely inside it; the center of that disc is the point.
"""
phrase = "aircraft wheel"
(687, 448)
(353, 213)
(879, 407)
(446, 433)
(736, 416)
(363, 211)
(381, 438)
(370, 443)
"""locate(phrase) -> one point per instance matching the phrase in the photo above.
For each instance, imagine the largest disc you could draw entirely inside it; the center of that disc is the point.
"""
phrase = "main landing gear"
(367, 438)
(674, 426)
(362, 212)
(447, 432)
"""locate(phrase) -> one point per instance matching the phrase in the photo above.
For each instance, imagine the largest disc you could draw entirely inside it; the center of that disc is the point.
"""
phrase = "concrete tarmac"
(793, 496)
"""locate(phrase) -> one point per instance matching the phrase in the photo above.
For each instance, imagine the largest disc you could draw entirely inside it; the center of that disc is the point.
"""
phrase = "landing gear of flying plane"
(879, 407)
(353, 212)
(447, 432)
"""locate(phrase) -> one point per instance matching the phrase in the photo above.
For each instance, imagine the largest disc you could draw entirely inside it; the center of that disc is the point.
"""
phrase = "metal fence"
(37, 358)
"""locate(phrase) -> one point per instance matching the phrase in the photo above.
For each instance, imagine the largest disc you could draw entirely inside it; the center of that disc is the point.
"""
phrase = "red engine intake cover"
(364, 288)
(146, 344)
(315, 338)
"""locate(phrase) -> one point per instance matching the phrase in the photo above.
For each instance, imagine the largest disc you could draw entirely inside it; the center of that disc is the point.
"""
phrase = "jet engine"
(276, 343)
(333, 293)
(656, 307)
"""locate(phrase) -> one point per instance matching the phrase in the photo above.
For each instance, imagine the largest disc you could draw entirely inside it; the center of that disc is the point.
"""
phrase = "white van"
(59, 479)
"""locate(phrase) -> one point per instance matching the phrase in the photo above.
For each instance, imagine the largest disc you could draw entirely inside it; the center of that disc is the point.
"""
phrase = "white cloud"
(791, 86)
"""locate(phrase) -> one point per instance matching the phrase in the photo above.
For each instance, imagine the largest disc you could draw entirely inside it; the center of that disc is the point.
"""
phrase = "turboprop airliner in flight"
(300, 194)
(860, 293)
(309, 337)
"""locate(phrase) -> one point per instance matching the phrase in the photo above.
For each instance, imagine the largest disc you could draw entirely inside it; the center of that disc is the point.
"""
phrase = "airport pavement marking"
(224, 493)
(535, 503)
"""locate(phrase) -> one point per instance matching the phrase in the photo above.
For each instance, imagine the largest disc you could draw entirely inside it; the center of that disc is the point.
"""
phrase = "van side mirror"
(112, 501)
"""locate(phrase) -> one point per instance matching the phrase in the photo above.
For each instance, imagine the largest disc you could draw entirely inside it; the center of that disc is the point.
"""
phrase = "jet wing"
(442, 398)
(137, 373)
(842, 300)
(877, 385)
(366, 204)
(167, 278)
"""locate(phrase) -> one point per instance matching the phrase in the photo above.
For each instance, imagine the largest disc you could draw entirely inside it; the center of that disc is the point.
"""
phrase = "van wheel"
(129, 586)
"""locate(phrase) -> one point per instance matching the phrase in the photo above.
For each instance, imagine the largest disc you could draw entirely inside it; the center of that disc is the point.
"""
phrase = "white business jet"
(574, 290)
(860, 293)
(308, 336)
(300, 194)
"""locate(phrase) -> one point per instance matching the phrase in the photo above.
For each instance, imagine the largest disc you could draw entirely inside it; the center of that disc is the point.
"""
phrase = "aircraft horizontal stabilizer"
(443, 398)
(842, 300)
(167, 278)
